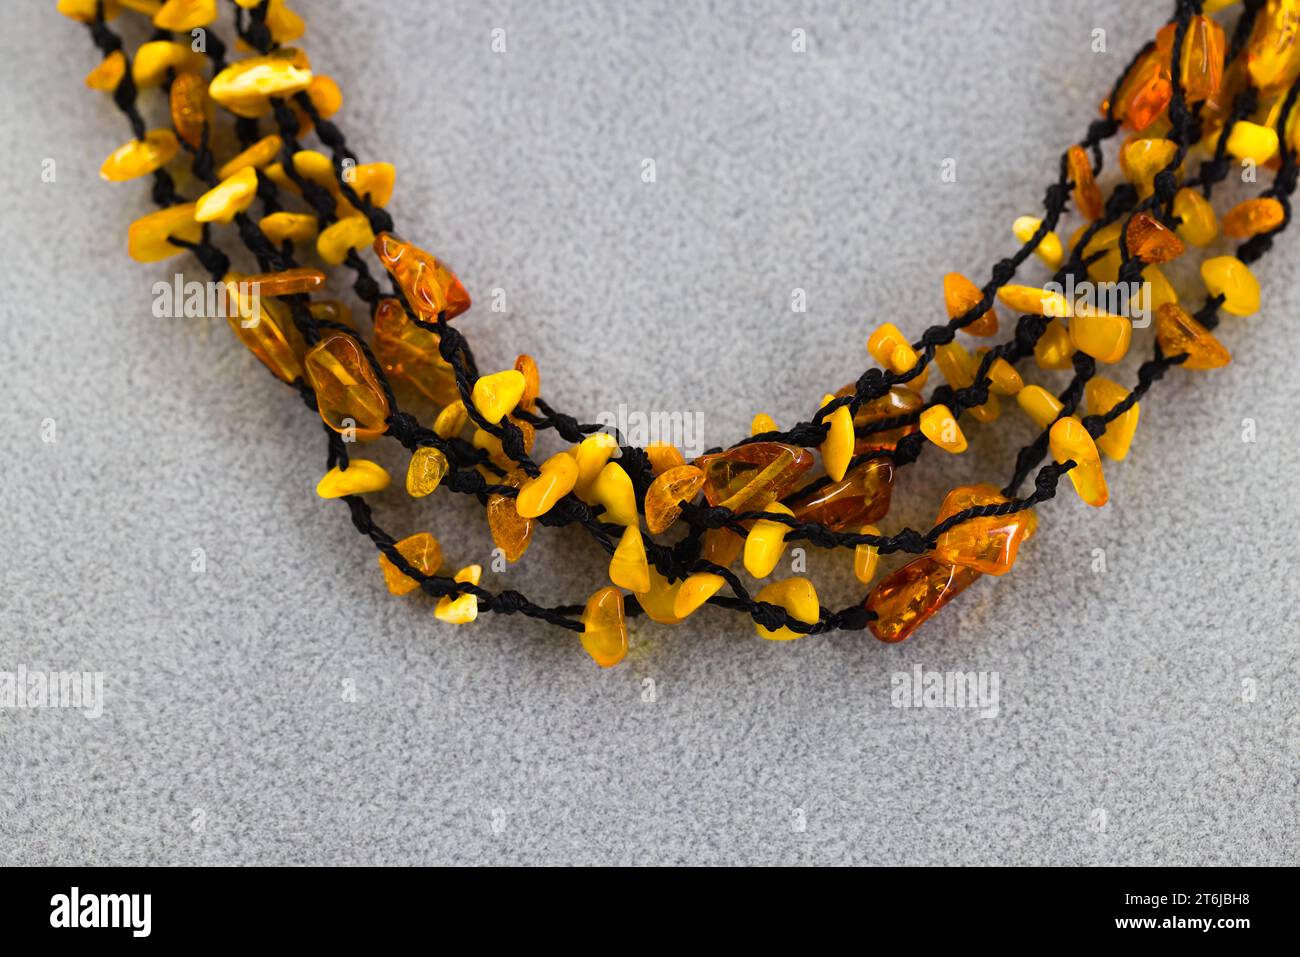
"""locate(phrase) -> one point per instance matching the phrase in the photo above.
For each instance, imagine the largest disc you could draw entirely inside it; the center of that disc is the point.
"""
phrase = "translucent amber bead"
(906, 599)
(361, 476)
(1068, 440)
(863, 495)
(1049, 247)
(410, 354)
(244, 87)
(1252, 141)
(511, 532)
(140, 157)
(898, 401)
(763, 423)
(1152, 241)
(1034, 301)
(526, 366)
(1144, 94)
(628, 568)
(337, 239)
(1252, 217)
(267, 329)
(989, 544)
(837, 447)
(694, 591)
(426, 471)
(746, 478)
(1104, 337)
(1199, 225)
(190, 107)
(891, 349)
(959, 367)
(799, 599)
(591, 454)
(228, 198)
(287, 282)
(1003, 377)
(1273, 51)
(1201, 67)
(613, 490)
(451, 420)
(258, 155)
(429, 286)
(1231, 278)
(1102, 395)
(663, 457)
(538, 495)
(940, 426)
(347, 393)
(331, 310)
(1039, 404)
(960, 295)
(664, 497)
(1178, 333)
(659, 601)
(182, 16)
(423, 553)
(765, 542)
(1054, 347)
(464, 608)
(146, 240)
(720, 546)
(108, 73)
(866, 557)
(154, 59)
(604, 630)
(1087, 195)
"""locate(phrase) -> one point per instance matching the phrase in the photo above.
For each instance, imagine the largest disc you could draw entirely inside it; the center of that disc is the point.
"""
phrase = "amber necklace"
(1193, 87)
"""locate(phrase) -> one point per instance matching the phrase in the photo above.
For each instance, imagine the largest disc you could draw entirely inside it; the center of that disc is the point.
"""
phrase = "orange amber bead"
(860, 498)
(898, 401)
(720, 546)
(604, 631)
(430, 287)
(348, 394)
(960, 295)
(1178, 333)
(1144, 94)
(1201, 69)
(287, 282)
(1252, 217)
(511, 532)
(1087, 195)
(910, 596)
(190, 107)
(424, 554)
(526, 366)
(409, 353)
(1152, 241)
(266, 328)
(988, 544)
(664, 497)
(746, 478)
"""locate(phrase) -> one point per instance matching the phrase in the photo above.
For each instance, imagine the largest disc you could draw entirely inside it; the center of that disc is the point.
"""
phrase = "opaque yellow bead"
(348, 394)
(146, 240)
(1179, 333)
(663, 457)
(837, 447)
(361, 476)
(182, 16)
(292, 227)
(1039, 404)
(335, 240)
(591, 454)
(866, 557)
(1156, 290)
(245, 86)
(285, 25)
(140, 157)
(940, 427)
(228, 198)
(695, 591)
(1003, 377)
(628, 568)
(373, 182)
(423, 553)
(1102, 395)
(1069, 440)
(765, 542)
(613, 489)
(891, 349)
(538, 495)
(1231, 278)
(1141, 159)
(660, 600)
(325, 95)
(1104, 337)
(799, 599)
(426, 471)
(1049, 248)
(1199, 224)
(959, 367)
(84, 10)
(258, 155)
(1252, 217)
(155, 58)
(1035, 301)
(1054, 347)
(1252, 141)
(497, 394)
(451, 420)
(960, 295)
(604, 628)
(664, 497)
(464, 608)
(108, 73)
(764, 423)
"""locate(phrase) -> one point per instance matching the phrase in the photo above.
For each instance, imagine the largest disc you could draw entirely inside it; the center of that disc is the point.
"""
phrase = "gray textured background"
(1120, 691)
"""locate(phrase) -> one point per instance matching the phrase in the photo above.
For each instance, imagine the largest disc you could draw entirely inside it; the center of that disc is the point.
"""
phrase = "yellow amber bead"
(1102, 395)
(288, 227)
(266, 328)
(1054, 347)
(526, 366)
(720, 546)
(1087, 195)
(1201, 63)
(285, 25)
(146, 240)
(1179, 333)
(746, 478)
(1035, 301)
(613, 490)
(960, 295)
(373, 182)
(464, 608)
(337, 239)
(410, 354)
(497, 394)
(1069, 440)
(451, 421)
(765, 542)
(361, 476)
(1252, 217)
(604, 630)
(989, 544)
(764, 423)
(1049, 248)
(538, 495)
(1039, 404)
(591, 454)
(628, 568)
(1156, 290)
(429, 286)
(1106, 267)
(182, 16)
(694, 591)
(426, 471)
(1141, 159)
(866, 557)
(1151, 240)
(837, 447)
(228, 198)
(911, 595)
(1251, 141)
(244, 87)
(496, 451)
(863, 495)
(258, 155)
(1104, 337)
(888, 346)
(325, 95)
(423, 553)
(108, 73)
(663, 457)
(660, 600)
(190, 107)
(1231, 278)
(1003, 377)
(511, 532)
(959, 367)
(84, 10)
(348, 394)
(1273, 50)
(940, 427)
(154, 59)
(664, 497)
(140, 157)
(799, 599)
(1199, 225)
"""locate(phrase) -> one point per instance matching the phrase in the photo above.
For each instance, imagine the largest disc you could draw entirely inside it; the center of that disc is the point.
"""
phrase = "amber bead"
(1152, 241)
(1141, 158)
(1198, 224)
(765, 542)
(360, 477)
(960, 295)
(1104, 337)
(1231, 278)
(939, 425)
(763, 423)
(1054, 347)
(604, 630)
(1034, 301)
(451, 421)
(426, 471)
(463, 608)
(338, 239)
(629, 568)
(423, 553)
(182, 16)
(1049, 248)
(746, 478)
(244, 87)
(694, 591)
(720, 546)
(140, 157)
(258, 155)
(1039, 404)
(1201, 69)
(659, 601)
(146, 240)
(154, 59)
(511, 532)
(1003, 377)
(959, 367)
(614, 492)
(862, 496)
(988, 544)
(663, 457)
(837, 447)
(495, 448)
(190, 107)
(799, 599)
(890, 348)
(526, 366)
(664, 497)
(866, 557)
(1069, 440)
(906, 599)
(287, 282)
(429, 286)
(108, 73)
(348, 394)
(267, 329)
(223, 202)
(538, 495)
(592, 454)
(1087, 195)
(1273, 50)
(1102, 395)
(410, 354)
(1178, 333)
(1252, 217)
(1144, 94)
(898, 401)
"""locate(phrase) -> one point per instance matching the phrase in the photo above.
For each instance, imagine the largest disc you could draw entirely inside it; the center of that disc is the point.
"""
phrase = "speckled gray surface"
(280, 707)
